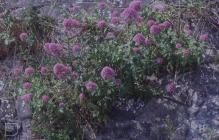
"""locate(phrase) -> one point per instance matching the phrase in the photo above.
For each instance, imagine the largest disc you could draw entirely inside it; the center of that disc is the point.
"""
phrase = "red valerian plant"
(99, 58)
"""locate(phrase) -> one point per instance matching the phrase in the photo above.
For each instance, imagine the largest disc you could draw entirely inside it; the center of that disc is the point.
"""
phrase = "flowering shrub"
(99, 59)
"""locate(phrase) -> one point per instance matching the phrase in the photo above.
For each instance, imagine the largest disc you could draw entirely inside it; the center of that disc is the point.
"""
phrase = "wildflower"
(101, 5)
(167, 24)
(60, 70)
(147, 41)
(75, 75)
(61, 104)
(26, 97)
(74, 9)
(16, 71)
(27, 85)
(151, 22)
(170, 87)
(23, 36)
(186, 52)
(91, 86)
(82, 97)
(117, 82)
(159, 7)
(54, 49)
(110, 35)
(203, 37)
(155, 30)
(107, 73)
(71, 23)
(29, 71)
(136, 5)
(76, 49)
(129, 14)
(139, 39)
(115, 20)
(114, 14)
(102, 24)
(159, 60)
(136, 49)
(45, 98)
(43, 70)
(178, 45)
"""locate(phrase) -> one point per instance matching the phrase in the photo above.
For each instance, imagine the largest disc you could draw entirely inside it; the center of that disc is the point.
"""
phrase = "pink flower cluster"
(159, 60)
(54, 49)
(76, 49)
(29, 71)
(61, 71)
(43, 70)
(130, 14)
(170, 87)
(71, 23)
(159, 7)
(45, 98)
(27, 85)
(139, 39)
(27, 97)
(107, 73)
(91, 86)
(101, 5)
(101, 24)
(156, 28)
(203, 37)
(16, 71)
(23, 36)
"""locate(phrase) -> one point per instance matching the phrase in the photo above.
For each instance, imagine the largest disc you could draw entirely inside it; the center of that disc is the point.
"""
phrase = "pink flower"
(170, 87)
(23, 36)
(16, 71)
(110, 35)
(101, 5)
(54, 49)
(151, 22)
(75, 75)
(178, 45)
(159, 7)
(115, 20)
(107, 73)
(82, 97)
(27, 85)
(61, 70)
(186, 52)
(91, 86)
(155, 30)
(203, 37)
(102, 24)
(43, 70)
(45, 98)
(76, 49)
(159, 60)
(71, 23)
(147, 41)
(74, 9)
(118, 82)
(114, 14)
(139, 39)
(136, 5)
(129, 14)
(167, 24)
(29, 71)
(136, 49)
(26, 97)
(61, 104)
